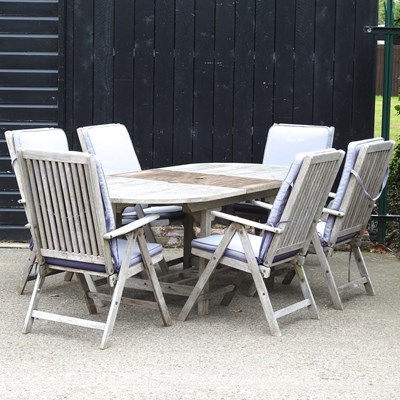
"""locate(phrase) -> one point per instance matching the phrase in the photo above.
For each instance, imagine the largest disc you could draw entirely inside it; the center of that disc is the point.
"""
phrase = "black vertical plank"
(243, 80)
(304, 62)
(223, 80)
(263, 75)
(364, 69)
(69, 125)
(203, 81)
(83, 63)
(284, 64)
(123, 62)
(324, 62)
(143, 82)
(183, 88)
(164, 82)
(103, 61)
(61, 65)
(344, 66)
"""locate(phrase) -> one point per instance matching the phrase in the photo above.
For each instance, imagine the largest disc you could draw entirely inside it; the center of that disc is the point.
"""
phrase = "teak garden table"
(199, 188)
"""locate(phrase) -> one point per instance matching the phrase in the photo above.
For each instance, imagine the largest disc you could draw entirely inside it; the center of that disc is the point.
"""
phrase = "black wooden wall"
(31, 73)
(202, 80)
(193, 80)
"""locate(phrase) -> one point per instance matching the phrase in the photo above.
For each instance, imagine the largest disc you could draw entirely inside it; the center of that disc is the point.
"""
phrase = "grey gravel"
(228, 354)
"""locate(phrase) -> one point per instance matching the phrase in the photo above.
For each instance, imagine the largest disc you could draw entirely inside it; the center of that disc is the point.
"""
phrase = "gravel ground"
(228, 354)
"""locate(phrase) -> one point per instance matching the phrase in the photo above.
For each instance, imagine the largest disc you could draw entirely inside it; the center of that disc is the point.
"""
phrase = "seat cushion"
(321, 229)
(234, 250)
(165, 212)
(120, 248)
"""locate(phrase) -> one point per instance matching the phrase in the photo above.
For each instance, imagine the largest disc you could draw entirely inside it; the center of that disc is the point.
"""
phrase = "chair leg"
(330, 281)
(226, 300)
(154, 282)
(89, 301)
(33, 304)
(112, 313)
(26, 275)
(198, 289)
(151, 238)
(305, 288)
(68, 276)
(363, 270)
(159, 296)
(264, 299)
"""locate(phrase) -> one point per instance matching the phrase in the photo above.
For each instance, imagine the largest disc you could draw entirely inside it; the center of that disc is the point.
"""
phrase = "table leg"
(188, 235)
(205, 230)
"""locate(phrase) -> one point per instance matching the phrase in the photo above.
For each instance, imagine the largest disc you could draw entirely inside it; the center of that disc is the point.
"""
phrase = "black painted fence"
(202, 80)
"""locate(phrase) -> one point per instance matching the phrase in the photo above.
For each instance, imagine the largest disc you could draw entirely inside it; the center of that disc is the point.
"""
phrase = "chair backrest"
(68, 208)
(112, 145)
(364, 172)
(299, 202)
(33, 139)
(284, 141)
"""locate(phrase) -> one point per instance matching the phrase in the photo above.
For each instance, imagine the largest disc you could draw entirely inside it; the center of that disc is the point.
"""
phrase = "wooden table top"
(194, 183)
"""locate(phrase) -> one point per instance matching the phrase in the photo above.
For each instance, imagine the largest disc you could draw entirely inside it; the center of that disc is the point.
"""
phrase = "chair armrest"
(262, 204)
(245, 221)
(123, 230)
(333, 212)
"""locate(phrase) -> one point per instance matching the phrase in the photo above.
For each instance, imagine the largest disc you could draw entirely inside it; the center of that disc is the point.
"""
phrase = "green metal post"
(386, 105)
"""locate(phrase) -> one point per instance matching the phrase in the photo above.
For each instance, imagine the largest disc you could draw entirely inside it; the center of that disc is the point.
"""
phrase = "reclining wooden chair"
(286, 236)
(34, 139)
(112, 145)
(284, 141)
(73, 228)
(347, 216)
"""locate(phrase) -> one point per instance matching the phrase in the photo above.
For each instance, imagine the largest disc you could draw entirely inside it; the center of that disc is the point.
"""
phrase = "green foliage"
(381, 14)
(394, 177)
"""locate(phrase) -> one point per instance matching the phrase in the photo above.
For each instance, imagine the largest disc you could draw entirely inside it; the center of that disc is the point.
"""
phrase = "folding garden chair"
(113, 146)
(72, 224)
(346, 217)
(35, 139)
(286, 236)
(284, 141)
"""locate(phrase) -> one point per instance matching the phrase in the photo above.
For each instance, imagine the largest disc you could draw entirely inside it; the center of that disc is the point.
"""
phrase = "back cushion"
(285, 141)
(280, 203)
(36, 139)
(113, 147)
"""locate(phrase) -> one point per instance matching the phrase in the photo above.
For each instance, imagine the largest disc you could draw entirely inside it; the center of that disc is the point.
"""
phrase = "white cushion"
(40, 139)
(113, 146)
(235, 248)
(284, 141)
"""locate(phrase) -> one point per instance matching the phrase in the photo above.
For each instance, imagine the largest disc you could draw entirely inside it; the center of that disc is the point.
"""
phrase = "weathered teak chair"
(362, 180)
(286, 236)
(284, 141)
(35, 139)
(113, 146)
(73, 227)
